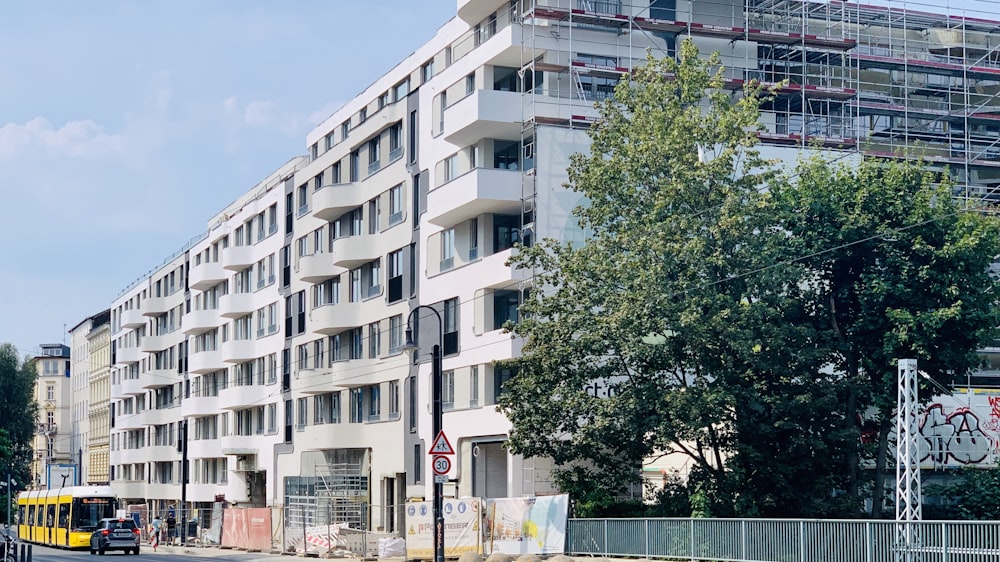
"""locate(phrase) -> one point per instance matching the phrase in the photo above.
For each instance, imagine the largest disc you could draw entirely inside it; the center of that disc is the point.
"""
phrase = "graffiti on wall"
(957, 436)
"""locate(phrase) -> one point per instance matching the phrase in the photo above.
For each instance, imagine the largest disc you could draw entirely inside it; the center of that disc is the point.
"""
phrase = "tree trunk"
(878, 489)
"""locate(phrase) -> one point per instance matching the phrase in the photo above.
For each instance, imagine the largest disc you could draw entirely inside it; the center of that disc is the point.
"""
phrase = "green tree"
(702, 359)
(897, 268)
(18, 416)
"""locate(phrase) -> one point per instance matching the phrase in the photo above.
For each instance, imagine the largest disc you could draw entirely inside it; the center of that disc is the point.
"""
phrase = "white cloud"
(81, 139)
(267, 115)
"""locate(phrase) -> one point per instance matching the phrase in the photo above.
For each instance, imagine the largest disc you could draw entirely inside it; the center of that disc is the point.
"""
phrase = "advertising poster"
(462, 529)
(526, 525)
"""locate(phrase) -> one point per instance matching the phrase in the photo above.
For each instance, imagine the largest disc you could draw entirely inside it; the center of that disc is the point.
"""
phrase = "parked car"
(115, 534)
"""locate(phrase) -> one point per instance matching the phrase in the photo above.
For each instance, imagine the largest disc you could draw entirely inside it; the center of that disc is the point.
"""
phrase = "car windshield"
(126, 524)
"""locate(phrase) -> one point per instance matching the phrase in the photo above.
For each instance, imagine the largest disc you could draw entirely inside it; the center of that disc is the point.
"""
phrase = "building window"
(374, 155)
(363, 115)
(357, 345)
(450, 326)
(474, 386)
(450, 168)
(330, 141)
(335, 173)
(303, 413)
(506, 232)
(374, 216)
(357, 405)
(355, 165)
(374, 402)
(470, 83)
(374, 340)
(302, 199)
(395, 274)
(395, 204)
(412, 384)
(355, 276)
(447, 249)
(395, 141)
(345, 129)
(448, 390)
(474, 239)
(395, 333)
(400, 90)
(505, 305)
(393, 400)
(427, 71)
(412, 136)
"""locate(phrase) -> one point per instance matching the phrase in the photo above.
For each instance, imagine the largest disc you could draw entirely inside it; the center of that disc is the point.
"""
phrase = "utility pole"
(184, 478)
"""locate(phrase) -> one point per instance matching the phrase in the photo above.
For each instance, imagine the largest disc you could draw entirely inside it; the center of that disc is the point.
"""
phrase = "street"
(48, 554)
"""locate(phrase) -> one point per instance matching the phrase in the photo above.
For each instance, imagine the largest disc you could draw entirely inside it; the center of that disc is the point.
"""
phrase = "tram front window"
(87, 512)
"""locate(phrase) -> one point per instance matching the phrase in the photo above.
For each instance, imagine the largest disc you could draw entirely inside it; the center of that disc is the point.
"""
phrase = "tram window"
(50, 519)
(31, 515)
(64, 515)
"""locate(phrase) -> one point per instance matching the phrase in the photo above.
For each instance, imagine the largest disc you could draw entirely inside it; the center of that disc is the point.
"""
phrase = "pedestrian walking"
(157, 526)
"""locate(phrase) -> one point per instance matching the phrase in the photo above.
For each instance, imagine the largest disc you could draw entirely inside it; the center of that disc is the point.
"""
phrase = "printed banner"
(462, 528)
(527, 525)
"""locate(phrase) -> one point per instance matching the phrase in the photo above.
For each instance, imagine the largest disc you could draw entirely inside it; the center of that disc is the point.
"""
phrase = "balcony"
(242, 445)
(238, 351)
(156, 378)
(131, 387)
(483, 114)
(155, 306)
(132, 318)
(334, 318)
(159, 416)
(200, 321)
(235, 305)
(317, 268)
(200, 406)
(494, 273)
(332, 201)
(237, 258)
(479, 191)
(475, 11)
(126, 355)
(352, 251)
(365, 372)
(206, 275)
(313, 381)
(237, 397)
(205, 362)
(152, 344)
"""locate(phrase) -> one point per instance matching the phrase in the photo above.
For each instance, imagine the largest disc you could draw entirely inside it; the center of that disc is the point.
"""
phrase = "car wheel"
(136, 551)
(101, 551)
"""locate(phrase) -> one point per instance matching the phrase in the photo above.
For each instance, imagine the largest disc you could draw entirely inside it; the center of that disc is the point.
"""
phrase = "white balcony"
(155, 378)
(313, 381)
(334, 318)
(317, 268)
(161, 416)
(205, 362)
(242, 445)
(131, 387)
(352, 251)
(206, 275)
(235, 305)
(365, 372)
(155, 306)
(125, 355)
(152, 344)
(161, 453)
(132, 318)
(200, 406)
(475, 11)
(237, 258)
(494, 273)
(483, 114)
(129, 488)
(479, 191)
(202, 449)
(200, 321)
(238, 351)
(332, 201)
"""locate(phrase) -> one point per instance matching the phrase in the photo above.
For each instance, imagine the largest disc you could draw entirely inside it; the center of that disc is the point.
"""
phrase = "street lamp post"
(436, 421)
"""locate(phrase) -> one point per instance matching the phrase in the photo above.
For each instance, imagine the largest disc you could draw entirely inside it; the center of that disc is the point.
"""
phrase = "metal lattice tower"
(908, 497)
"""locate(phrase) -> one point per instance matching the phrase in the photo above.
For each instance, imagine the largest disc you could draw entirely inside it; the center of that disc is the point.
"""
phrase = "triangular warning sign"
(441, 445)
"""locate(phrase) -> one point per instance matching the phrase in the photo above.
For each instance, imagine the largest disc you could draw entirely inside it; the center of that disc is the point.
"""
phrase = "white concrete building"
(276, 334)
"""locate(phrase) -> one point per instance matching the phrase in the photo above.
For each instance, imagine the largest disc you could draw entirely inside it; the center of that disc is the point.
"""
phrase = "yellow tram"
(63, 517)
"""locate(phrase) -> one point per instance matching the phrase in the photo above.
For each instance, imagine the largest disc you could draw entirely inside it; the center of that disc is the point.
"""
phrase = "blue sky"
(126, 124)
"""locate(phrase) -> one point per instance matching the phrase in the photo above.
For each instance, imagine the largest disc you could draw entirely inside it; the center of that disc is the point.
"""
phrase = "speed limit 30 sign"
(441, 465)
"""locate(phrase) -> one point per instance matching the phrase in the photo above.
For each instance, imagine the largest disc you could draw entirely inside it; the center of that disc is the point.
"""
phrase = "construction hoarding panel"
(527, 525)
(234, 528)
(462, 528)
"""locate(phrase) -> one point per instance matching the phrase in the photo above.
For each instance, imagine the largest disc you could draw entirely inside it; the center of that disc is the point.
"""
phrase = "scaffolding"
(892, 79)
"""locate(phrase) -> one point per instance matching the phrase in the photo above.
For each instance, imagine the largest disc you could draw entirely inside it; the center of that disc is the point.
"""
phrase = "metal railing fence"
(782, 540)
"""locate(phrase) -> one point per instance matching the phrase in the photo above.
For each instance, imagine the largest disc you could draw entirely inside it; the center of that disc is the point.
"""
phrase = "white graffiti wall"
(962, 429)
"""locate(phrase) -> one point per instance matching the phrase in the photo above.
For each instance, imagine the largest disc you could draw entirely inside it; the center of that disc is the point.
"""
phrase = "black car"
(115, 534)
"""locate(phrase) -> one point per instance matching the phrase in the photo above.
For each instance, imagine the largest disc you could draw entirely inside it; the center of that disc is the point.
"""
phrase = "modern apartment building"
(52, 437)
(276, 335)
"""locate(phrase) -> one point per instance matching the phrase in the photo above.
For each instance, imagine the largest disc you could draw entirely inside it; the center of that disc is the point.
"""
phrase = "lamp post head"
(409, 345)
